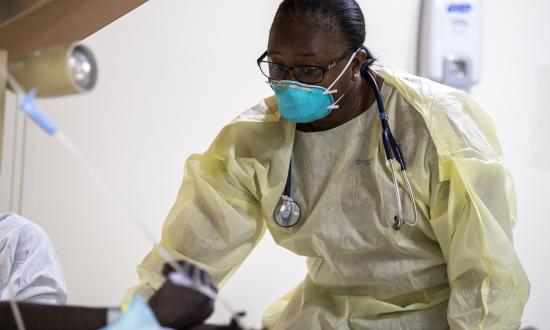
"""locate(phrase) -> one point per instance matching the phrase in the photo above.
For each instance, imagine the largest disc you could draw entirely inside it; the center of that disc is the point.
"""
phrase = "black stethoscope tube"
(392, 151)
(391, 147)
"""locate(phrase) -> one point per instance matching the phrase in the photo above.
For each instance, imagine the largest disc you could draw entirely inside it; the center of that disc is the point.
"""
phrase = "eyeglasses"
(307, 74)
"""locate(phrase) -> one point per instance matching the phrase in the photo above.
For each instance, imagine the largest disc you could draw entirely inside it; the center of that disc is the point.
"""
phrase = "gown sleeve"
(473, 210)
(216, 219)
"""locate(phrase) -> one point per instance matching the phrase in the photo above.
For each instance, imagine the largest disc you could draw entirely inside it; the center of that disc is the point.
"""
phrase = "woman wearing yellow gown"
(454, 267)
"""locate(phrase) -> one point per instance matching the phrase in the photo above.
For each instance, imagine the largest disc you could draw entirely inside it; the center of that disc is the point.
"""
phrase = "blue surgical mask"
(303, 103)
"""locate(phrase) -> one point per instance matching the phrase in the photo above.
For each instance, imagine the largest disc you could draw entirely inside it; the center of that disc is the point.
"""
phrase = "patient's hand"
(185, 299)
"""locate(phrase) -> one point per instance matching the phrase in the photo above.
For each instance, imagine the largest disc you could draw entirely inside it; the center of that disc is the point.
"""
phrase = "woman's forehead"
(306, 39)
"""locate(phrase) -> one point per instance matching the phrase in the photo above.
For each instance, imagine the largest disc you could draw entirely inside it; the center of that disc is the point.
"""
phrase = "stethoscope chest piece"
(287, 212)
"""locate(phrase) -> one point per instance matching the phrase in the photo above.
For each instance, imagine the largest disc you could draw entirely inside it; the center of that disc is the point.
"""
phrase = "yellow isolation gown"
(457, 268)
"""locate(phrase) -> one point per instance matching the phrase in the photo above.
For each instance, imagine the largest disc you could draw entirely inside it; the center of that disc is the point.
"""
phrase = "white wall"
(173, 72)
(10, 156)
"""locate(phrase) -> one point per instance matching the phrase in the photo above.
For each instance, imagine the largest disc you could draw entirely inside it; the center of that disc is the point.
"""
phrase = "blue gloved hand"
(138, 316)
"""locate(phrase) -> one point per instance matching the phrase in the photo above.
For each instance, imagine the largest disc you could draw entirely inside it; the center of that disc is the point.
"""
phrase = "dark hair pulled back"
(346, 13)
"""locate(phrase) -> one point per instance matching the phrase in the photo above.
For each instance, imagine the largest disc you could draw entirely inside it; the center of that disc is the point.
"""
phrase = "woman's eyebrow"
(305, 54)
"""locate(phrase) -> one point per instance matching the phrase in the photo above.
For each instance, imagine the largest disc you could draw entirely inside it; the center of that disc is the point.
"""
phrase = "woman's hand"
(185, 299)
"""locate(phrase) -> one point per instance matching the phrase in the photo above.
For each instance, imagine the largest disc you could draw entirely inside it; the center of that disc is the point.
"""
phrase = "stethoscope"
(287, 212)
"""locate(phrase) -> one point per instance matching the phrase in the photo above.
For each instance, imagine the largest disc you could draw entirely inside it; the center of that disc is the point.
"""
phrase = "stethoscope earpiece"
(397, 223)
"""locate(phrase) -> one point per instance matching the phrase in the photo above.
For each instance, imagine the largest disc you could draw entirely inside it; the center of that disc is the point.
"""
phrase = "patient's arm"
(40, 317)
(184, 300)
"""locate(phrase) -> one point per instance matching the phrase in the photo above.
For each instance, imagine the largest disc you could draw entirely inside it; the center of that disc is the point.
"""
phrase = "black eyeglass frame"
(324, 69)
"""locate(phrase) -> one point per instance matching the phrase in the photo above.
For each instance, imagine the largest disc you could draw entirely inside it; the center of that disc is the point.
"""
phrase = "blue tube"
(29, 106)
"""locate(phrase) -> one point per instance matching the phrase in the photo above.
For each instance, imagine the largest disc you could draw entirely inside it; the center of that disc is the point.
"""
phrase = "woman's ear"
(357, 64)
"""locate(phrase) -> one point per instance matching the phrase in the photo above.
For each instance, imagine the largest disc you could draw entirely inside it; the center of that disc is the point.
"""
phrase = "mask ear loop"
(329, 88)
(329, 91)
(335, 105)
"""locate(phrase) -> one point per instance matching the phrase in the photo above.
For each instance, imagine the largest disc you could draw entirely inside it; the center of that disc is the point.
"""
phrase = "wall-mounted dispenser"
(450, 42)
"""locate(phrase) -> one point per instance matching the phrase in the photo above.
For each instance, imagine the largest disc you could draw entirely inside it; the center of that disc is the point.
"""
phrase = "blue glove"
(139, 316)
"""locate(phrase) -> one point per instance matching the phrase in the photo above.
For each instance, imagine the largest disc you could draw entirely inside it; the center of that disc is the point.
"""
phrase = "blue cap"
(29, 106)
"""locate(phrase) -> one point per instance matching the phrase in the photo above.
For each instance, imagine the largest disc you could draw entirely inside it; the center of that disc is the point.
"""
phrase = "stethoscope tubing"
(392, 151)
